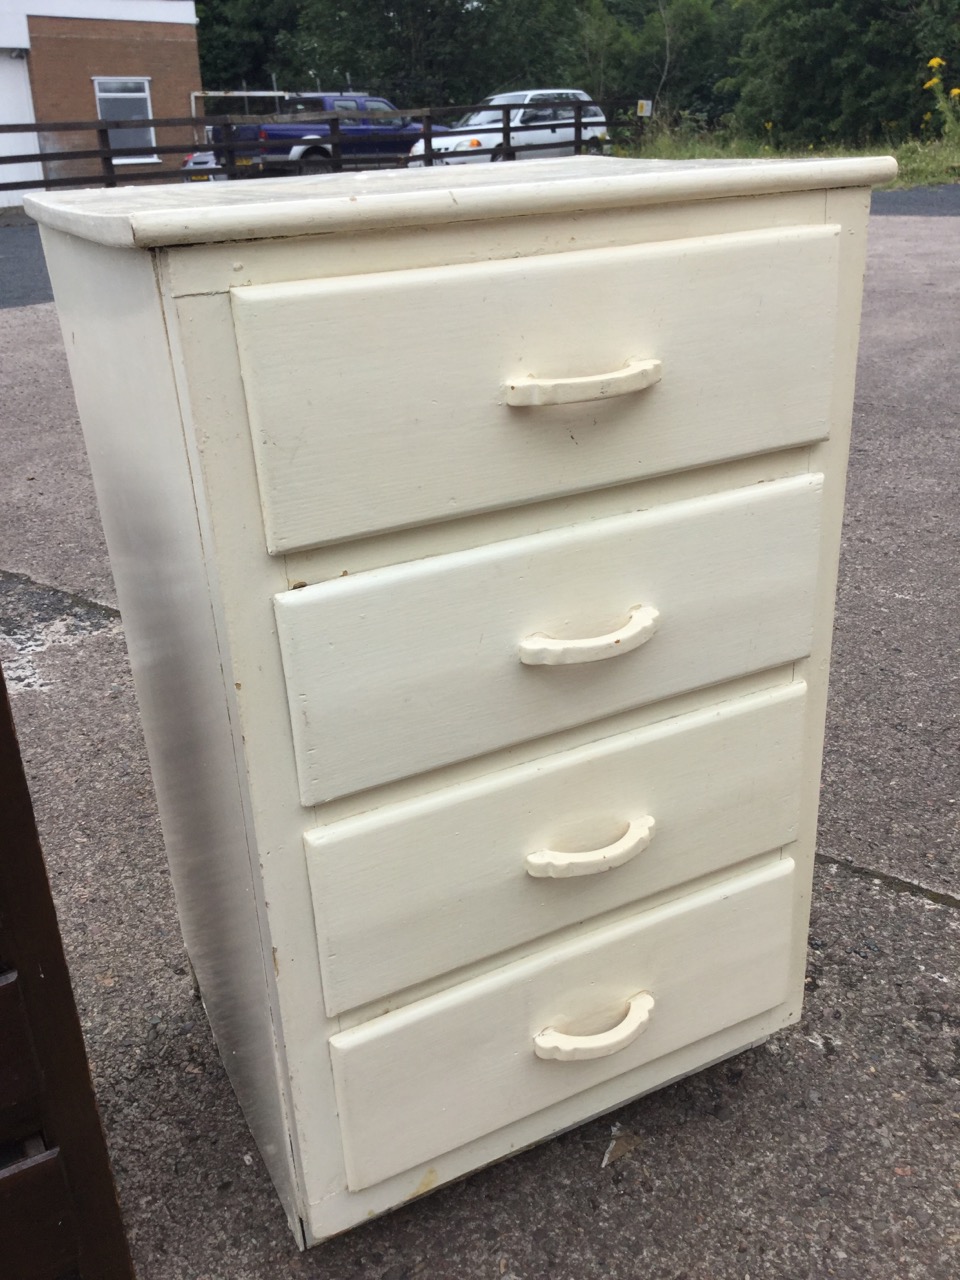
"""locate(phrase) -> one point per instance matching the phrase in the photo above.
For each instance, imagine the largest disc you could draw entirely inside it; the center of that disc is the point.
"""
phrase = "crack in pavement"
(896, 883)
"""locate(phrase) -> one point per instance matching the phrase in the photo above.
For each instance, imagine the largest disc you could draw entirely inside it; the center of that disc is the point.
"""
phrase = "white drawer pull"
(635, 375)
(541, 650)
(558, 864)
(557, 1044)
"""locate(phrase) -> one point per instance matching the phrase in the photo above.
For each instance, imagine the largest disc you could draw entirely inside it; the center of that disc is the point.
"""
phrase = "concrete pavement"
(830, 1151)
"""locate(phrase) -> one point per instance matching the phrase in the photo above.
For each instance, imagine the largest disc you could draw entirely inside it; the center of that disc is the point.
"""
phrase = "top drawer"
(379, 401)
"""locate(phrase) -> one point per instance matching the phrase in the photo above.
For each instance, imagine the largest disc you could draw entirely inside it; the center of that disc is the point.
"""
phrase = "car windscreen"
(383, 113)
(473, 119)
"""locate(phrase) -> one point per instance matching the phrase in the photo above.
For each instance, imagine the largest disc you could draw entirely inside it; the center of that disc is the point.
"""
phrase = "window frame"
(101, 96)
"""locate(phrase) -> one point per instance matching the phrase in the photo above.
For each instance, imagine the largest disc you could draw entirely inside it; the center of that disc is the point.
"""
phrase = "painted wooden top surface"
(203, 213)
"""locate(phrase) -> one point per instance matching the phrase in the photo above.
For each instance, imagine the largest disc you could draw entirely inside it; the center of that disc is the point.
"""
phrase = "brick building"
(72, 60)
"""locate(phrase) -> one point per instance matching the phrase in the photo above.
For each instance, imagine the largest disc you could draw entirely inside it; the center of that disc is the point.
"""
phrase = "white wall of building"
(16, 107)
(14, 13)
(16, 101)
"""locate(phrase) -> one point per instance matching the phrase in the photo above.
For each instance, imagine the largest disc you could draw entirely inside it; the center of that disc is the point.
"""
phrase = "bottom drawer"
(425, 1079)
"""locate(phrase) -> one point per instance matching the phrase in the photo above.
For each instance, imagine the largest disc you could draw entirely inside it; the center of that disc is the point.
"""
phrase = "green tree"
(431, 52)
(598, 53)
(524, 45)
(238, 40)
(679, 48)
(683, 52)
(418, 52)
(847, 72)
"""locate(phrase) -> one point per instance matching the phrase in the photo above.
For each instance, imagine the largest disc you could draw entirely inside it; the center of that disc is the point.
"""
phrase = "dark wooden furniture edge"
(64, 1106)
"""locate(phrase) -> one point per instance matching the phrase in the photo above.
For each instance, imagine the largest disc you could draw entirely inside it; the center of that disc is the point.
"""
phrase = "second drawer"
(398, 670)
(413, 890)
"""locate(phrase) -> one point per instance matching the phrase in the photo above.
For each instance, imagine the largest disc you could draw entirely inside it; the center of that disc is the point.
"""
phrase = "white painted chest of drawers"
(475, 534)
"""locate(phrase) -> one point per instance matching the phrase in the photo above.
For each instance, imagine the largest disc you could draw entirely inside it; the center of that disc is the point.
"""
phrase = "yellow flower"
(928, 115)
(768, 124)
(931, 83)
(936, 62)
(955, 93)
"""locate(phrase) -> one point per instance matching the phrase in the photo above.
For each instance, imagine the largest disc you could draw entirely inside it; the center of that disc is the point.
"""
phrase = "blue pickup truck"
(365, 133)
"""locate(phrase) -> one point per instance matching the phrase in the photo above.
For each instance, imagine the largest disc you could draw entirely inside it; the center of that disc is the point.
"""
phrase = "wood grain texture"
(411, 890)
(430, 1077)
(402, 669)
(19, 1075)
(125, 379)
(394, 198)
(344, 392)
(39, 1222)
(58, 1209)
(743, 325)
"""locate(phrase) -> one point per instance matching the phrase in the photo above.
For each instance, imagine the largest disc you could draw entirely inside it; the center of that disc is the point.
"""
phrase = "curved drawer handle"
(636, 375)
(558, 865)
(540, 650)
(557, 1044)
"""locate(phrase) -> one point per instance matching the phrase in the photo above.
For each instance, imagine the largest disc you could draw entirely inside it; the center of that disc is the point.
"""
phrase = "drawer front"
(398, 670)
(428, 1078)
(413, 890)
(378, 401)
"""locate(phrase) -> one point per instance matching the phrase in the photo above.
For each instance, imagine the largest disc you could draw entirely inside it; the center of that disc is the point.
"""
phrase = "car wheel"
(497, 154)
(315, 162)
(594, 147)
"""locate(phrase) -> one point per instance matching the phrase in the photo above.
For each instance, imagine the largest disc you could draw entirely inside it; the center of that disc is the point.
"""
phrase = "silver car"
(201, 166)
(542, 122)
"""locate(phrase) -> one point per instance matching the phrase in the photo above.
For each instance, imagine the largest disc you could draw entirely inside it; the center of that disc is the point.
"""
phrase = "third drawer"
(413, 890)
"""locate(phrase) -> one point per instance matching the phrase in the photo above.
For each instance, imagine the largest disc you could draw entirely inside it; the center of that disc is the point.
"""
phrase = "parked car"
(201, 166)
(372, 131)
(544, 119)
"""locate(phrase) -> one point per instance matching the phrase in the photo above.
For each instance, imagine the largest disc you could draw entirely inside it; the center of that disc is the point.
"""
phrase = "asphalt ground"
(23, 272)
(831, 1151)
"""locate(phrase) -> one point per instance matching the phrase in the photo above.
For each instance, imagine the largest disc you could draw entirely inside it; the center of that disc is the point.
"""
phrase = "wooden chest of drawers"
(475, 535)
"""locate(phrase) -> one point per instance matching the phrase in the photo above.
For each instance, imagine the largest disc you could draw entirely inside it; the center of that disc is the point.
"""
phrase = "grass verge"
(922, 164)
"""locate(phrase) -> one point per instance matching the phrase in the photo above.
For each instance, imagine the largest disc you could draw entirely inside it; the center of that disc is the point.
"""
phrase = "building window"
(127, 100)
